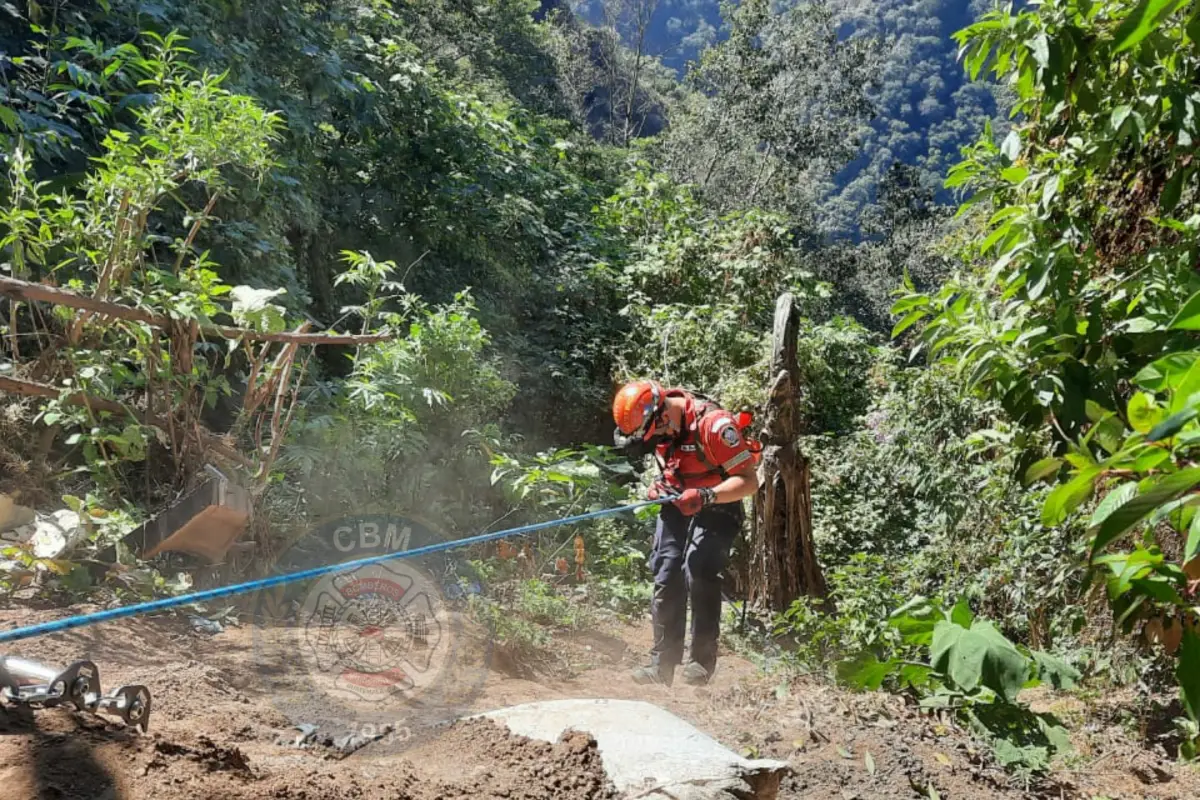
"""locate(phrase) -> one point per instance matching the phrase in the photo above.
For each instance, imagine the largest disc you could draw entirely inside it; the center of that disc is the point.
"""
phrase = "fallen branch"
(31, 389)
(24, 290)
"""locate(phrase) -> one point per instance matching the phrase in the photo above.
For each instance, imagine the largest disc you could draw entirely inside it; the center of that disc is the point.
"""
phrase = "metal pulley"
(30, 683)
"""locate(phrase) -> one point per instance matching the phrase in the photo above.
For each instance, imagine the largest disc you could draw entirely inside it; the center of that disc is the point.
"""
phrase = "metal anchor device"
(25, 682)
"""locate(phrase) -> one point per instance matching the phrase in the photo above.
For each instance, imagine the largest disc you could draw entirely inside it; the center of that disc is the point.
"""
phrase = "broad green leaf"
(1116, 498)
(908, 303)
(1042, 469)
(1167, 372)
(995, 237)
(1055, 671)
(865, 672)
(946, 636)
(1095, 412)
(252, 307)
(1067, 497)
(1150, 458)
(915, 620)
(1060, 740)
(1142, 21)
(1186, 391)
(916, 675)
(961, 614)
(1188, 317)
(1172, 424)
(1015, 175)
(906, 323)
(1142, 413)
(1040, 47)
(1011, 147)
(1119, 115)
(9, 119)
(1109, 434)
(1188, 673)
(1161, 490)
(1139, 325)
(1050, 191)
(1192, 547)
(979, 656)
(1158, 588)
(1081, 460)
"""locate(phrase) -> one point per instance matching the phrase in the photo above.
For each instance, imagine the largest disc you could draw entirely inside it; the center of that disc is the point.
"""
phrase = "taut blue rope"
(81, 620)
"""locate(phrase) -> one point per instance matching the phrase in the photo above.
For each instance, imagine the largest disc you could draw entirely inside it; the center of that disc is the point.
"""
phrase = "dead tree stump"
(783, 561)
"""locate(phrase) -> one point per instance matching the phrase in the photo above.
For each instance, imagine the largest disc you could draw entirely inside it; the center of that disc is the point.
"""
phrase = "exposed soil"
(219, 730)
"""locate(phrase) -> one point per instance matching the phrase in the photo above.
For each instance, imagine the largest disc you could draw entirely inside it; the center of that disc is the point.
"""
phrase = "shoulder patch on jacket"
(730, 436)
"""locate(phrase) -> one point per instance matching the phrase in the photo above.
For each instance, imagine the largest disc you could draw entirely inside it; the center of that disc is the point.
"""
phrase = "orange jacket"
(711, 448)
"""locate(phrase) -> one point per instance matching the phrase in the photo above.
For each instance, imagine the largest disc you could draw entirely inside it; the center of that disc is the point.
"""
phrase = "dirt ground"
(219, 729)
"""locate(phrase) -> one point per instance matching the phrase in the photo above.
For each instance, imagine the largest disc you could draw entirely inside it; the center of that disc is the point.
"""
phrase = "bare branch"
(24, 290)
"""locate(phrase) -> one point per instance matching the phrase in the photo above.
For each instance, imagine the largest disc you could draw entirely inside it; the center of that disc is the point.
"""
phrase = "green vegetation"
(512, 215)
(974, 670)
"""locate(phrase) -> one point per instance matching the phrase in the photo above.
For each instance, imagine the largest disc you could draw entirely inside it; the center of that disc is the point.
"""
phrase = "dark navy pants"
(690, 570)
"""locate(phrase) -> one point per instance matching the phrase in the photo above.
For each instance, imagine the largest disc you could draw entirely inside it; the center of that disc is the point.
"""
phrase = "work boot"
(653, 673)
(694, 674)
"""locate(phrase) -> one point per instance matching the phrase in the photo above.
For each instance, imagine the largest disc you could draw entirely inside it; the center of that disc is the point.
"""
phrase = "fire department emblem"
(374, 653)
(375, 631)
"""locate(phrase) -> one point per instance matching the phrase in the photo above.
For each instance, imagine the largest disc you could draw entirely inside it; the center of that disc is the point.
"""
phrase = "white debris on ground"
(51, 535)
(649, 753)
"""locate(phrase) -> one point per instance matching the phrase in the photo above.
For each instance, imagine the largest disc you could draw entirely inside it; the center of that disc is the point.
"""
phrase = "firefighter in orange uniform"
(709, 465)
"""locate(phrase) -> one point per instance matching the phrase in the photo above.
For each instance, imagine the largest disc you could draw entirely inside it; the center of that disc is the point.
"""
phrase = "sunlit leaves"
(1158, 492)
(1112, 501)
(1142, 20)
(1068, 496)
(977, 671)
(252, 308)
(1188, 317)
(1168, 372)
(1042, 469)
(1040, 234)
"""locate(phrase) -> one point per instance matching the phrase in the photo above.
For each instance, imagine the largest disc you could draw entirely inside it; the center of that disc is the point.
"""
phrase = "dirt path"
(225, 707)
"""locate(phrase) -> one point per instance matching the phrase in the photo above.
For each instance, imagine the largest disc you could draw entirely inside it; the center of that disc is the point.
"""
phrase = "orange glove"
(658, 490)
(692, 500)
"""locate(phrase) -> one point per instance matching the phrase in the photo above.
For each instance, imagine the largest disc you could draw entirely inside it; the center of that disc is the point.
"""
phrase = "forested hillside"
(370, 256)
(924, 109)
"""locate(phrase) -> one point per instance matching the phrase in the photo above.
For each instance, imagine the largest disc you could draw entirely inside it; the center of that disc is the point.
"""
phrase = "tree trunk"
(783, 561)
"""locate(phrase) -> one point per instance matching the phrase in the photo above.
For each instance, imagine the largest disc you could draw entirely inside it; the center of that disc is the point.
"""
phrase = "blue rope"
(277, 580)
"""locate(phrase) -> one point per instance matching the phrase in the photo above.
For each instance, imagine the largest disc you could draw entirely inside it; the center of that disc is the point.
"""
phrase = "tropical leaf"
(1159, 491)
(1142, 21)
(978, 656)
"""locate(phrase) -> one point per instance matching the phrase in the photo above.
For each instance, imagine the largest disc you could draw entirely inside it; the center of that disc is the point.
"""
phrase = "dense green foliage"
(526, 212)
(1081, 315)
(974, 670)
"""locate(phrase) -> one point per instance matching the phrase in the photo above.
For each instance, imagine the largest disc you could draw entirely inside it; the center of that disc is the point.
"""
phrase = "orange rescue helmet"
(636, 407)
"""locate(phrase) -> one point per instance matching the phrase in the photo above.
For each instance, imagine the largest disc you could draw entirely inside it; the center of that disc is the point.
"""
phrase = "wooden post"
(783, 561)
